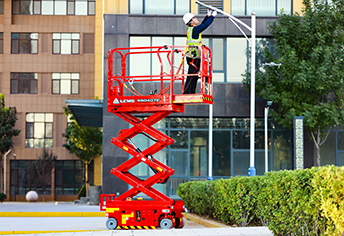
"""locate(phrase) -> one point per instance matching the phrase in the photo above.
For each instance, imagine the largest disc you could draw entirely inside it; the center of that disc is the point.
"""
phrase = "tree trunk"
(86, 180)
(316, 136)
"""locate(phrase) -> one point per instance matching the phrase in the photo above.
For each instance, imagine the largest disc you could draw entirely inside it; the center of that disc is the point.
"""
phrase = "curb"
(52, 214)
(203, 221)
(46, 231)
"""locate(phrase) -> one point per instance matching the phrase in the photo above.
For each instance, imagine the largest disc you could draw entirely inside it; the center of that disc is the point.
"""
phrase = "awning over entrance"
(87, 112)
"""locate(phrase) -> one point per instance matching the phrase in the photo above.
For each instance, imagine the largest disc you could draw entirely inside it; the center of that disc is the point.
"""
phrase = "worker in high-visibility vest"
(194, 44)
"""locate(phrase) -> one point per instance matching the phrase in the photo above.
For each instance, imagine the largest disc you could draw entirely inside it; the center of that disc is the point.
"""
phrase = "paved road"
(93, 226)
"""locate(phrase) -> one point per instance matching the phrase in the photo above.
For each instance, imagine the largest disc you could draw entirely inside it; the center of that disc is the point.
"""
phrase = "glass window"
(39, 130)
(198, 153)
(181, 138)
(261, 8)
(328, 150)
(69, 176)
(284, 5)
(136, 65)
(1, 43)
(66, 43)
(47, 7)
(21, 181)
(24, 43)
(1, 6)
(91, 7)
(24, 83)
(60, 7)
(65, 83)
(236, 59)
(179, 162)
(182, 6)
(136, 6)
(81, 7)
(162, 7)
(53, 7)
(221, 153)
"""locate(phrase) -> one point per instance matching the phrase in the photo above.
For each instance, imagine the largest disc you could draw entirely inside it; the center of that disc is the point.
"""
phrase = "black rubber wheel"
(180, 223)
(166, 223)
(111, 223)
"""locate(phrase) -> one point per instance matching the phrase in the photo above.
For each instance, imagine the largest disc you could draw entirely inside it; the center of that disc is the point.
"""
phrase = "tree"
(84, 142)
(309, 82)
(8, 118)
(40, 171)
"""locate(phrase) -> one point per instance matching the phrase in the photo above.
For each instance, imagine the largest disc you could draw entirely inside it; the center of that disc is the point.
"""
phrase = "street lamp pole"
(252, 29)
(252, 170)
(266, 113)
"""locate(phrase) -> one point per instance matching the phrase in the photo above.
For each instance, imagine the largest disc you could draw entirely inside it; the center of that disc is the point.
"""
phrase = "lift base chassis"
(143, 214)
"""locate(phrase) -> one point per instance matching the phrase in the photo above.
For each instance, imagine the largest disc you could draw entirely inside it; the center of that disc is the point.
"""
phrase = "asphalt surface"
(69, 219)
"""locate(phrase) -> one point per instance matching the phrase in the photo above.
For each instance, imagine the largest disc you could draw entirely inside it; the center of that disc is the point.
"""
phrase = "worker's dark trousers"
(191, 81)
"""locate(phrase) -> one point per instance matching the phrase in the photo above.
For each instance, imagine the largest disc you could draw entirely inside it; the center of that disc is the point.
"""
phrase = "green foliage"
(2, 197)
(236, 200)
(84, 142)
(309, 82)
(197, 195)
(329, 185)
(8, 118)
(301, 202)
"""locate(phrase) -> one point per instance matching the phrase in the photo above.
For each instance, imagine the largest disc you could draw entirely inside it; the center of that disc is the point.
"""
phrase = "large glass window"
(39, 130)
(65, 83)
(160, 7)
(24, 43)
(188, 156)
(53, 7)
(261, 8)
(69, 176)
(24, 83)
(20, 181)
(230, 56)
(66, 43)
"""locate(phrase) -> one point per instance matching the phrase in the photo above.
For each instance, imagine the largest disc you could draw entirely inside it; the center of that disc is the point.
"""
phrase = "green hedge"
(301, 202)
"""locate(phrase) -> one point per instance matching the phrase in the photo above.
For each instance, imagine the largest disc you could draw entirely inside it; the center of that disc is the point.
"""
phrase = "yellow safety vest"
(194, 45)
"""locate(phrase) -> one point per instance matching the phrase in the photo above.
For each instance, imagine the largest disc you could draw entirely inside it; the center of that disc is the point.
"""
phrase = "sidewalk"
(69, 219)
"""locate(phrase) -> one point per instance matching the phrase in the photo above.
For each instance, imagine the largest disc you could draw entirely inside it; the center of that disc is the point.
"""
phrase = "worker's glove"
(209, 12)
(214, 13)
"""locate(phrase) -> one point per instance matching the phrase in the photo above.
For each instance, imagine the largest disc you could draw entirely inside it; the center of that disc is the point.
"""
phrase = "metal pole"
(266, 137)
(5, 170)
(252, 170)
(210, 150)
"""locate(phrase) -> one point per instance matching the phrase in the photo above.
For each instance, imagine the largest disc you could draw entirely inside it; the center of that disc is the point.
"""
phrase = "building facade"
(157, 23)
(53, 50)
(47, 56)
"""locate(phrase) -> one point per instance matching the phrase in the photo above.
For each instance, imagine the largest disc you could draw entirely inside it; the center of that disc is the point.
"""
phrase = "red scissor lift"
(125, 211)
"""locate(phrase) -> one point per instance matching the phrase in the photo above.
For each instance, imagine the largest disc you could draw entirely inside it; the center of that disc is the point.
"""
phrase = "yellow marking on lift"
(111, 210)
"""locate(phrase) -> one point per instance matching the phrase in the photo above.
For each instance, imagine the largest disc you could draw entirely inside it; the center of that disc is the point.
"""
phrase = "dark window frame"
(32, 137)
(21, 80)
(20, 39)
(19, 10)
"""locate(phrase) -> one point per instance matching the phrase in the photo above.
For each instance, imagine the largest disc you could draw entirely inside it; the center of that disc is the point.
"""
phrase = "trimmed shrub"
(328, 183)
(2, 197)
(301, 202)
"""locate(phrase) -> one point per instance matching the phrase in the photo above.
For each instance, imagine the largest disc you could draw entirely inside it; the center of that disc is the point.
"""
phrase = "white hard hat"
(187, 17)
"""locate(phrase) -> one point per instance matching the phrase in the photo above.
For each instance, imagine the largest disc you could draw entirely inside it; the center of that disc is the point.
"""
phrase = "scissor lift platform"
(126, 211)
